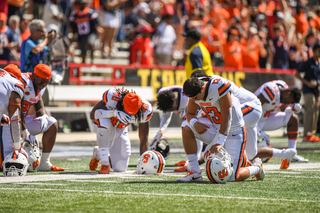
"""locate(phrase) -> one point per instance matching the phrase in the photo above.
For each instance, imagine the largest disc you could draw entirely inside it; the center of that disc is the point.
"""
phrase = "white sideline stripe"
(281, 172)
(162, 194)
(45, 184)
(308, 177)
(94, 181)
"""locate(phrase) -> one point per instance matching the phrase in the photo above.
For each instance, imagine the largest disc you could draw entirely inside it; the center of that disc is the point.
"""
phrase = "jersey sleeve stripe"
(224, 88)
(105, 97)
(96, 121)
(19, 86)
(149, 116)
(269, 92)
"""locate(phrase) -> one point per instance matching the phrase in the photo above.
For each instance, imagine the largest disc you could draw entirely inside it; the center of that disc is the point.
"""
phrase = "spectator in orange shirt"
(141, 48)
(315, 20)
(302, 24)
(254, 49)
(210, 39)
(233, 50)
(24, 28)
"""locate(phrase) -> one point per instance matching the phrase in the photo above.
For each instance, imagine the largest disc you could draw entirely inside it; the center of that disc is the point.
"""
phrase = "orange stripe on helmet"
(208, 171)
(160, 160)
(269, 92)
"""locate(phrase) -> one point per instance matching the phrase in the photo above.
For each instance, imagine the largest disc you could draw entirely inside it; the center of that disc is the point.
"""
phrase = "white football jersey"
(245, 96)
(31, 94)
(218, 87)
(111, 98)
(8, 84)
(271, 93)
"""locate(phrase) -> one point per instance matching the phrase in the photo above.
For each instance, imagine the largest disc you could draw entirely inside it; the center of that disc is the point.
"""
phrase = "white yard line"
(162, 194)
(45, 184)
(168, 172)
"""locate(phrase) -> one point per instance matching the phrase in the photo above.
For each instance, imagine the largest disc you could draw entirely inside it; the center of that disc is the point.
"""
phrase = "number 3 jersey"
(31, 94)
(112, 96)
(216, 89)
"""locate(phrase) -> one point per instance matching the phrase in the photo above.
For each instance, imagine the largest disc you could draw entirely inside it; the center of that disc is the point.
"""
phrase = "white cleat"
(299, 159)
(191, 177)
(261, 174)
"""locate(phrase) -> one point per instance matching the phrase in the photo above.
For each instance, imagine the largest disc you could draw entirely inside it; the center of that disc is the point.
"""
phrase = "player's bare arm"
(192, 109)
(143, 136)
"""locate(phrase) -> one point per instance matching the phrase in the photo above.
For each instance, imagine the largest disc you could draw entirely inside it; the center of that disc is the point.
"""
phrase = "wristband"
(193, 121)
(221, 139)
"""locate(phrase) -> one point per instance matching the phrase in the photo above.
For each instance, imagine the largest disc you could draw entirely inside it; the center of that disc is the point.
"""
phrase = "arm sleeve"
(165, 120)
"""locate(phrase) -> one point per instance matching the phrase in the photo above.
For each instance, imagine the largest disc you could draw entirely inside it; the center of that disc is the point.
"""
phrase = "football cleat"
(182, 169)
(191, 177)
(299, 159)
(93, 165)
(285, 163)
(105, 169)
(261, 174)
(181, 163)
(57, 169)
(312, 138)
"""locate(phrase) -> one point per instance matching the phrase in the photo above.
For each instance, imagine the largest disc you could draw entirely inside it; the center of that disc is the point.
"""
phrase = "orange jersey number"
(217, 118)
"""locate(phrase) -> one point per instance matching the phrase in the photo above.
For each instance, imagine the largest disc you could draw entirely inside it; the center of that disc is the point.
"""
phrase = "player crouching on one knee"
(112, 116)
(223, 127)
(34, 87)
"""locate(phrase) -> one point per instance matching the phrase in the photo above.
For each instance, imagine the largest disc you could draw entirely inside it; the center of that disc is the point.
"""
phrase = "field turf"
(78, 189)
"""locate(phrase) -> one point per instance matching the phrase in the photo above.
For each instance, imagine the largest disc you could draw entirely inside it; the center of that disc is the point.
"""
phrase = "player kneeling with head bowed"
(222, 128)
(112, 116)
(34, 85)
(15, 163)
(150, 163)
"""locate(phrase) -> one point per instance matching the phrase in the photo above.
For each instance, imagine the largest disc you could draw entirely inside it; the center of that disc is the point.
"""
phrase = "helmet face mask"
(150, 162)
(163, 147)
(219, 166)
(33, 153)
(15, 166)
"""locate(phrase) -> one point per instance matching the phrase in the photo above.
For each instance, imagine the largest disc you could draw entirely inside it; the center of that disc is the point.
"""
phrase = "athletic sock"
(104, 156)
(193, 161)
(253, 170)
(292, 143)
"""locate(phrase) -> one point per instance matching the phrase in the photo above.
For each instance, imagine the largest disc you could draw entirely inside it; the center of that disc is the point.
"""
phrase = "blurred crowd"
(237, 33)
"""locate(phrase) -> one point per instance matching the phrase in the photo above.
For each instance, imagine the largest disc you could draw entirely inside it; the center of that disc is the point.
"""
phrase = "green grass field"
(80, 190)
